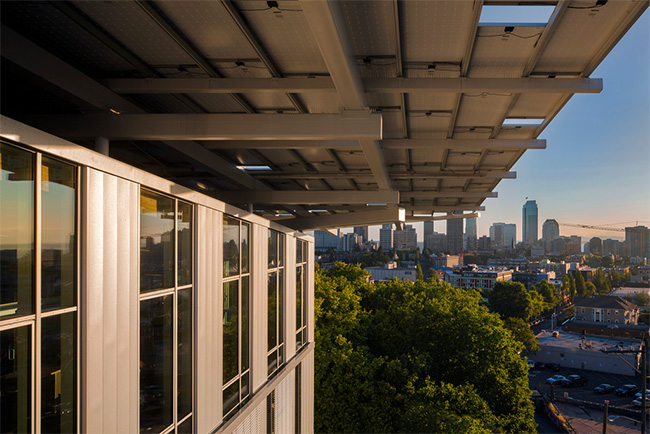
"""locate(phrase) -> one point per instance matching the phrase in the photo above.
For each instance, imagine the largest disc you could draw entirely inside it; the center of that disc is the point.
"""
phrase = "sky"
(596, 167)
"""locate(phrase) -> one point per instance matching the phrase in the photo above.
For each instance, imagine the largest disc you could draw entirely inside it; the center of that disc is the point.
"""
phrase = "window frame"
(280, 299)
(34, 319)
(174, 291)
(301, 264)
(238, 277)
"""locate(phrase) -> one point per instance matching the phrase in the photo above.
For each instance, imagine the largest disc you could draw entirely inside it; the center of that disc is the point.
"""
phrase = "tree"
(419, 275)
(512, 299)
(549, 293)
(569, 286)
(580, 284)
(641, 299)
(412, 357)
(601, 282)
(522, 333)
(590, 289)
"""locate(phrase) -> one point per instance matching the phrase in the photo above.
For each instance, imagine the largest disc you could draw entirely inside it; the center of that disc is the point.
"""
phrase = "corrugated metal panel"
(258, 315)
(284, 407)
(310, 291)
(208, 314)
(255, 423)
(307, 405)
(290, 270)
(109, 303)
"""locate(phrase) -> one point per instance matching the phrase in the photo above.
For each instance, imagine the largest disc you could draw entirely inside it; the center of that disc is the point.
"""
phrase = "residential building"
(470, 235)
(571, 249)
(406, 239)
(323, 241)
(509, 235)
(529, 222)
(606, 309)
(386, 237)
(445, 261)
(496, 234)
(350, 241)
(595, 246)
(436, 243)
(428, 229)
(637, 241)
(559, 268)
(362, 231)
(472, 277)
(550, 229)
(455, 235)
(612, 247)
(390, 271)
(513, 263)
(530, 278)
(484, 243)
(557, 245)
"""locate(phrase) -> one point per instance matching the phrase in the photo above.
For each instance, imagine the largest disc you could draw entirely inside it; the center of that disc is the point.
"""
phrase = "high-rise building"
(363, 232)
(484, 243)
(595, 246)
(349, 241)
(406, 239)
(550, 229)
(470, 234)
(510, 235)
(496, 234)
(455, 234)
(386, 237)
(611, 247)
(428, 229)
(436, 242)
(529, 222)
(637, 241)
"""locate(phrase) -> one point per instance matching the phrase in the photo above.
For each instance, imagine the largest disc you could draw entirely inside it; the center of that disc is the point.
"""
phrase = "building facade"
(323, 240)
(362, 231)
(550, 229)
(406, 239)
(529, 222)
(469, 277)
(132, 304)
(637, 241)
(606, 309)
(595, 246)
(471, 241)
(390, 271)
(386, 237)
(455, 235)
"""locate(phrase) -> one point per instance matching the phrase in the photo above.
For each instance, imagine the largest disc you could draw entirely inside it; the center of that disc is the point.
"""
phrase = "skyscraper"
(529, 222)
(406, 239)
(496, 234)
(470, 234)
(637, 241)
(455, 235)
(363, 232)
(386, 237)
(550, 229)
(428, 228)
(510, 235)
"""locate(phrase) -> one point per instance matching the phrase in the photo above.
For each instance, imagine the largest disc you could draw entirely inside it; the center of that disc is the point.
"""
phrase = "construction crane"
(601, 228)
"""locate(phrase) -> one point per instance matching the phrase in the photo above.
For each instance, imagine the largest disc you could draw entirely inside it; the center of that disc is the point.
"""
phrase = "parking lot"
(537, 380)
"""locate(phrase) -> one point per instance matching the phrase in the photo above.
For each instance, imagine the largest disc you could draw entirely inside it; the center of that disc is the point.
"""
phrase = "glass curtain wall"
(236, 343)
(38, 293)
(166, 353)
(301, 289)
(275, 301)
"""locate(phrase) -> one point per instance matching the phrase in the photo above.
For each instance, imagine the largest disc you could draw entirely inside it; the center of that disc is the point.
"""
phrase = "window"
(166, 352)
(236, 273)
(38, 293)
(275, 301)
(270, 413)
(301, 288)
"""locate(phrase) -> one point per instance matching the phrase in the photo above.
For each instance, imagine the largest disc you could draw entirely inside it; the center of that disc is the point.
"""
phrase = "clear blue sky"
(596, 168)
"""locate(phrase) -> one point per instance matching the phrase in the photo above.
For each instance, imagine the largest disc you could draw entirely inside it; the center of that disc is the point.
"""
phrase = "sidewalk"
(590, 421)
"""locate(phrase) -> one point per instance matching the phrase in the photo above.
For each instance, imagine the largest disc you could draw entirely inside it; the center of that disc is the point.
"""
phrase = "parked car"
(556, 379)
(540, 365)
(637, 402)
(574, 381)
(627, 390)
(604, 388)
(530, 363)
(553, 367)
(647, 394)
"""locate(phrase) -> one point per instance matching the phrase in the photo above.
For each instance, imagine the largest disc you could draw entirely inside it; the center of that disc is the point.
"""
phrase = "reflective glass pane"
(244, 386)
(156, 241)
(185, 427)
(184, 352)
(58, 223)
(59, 373)
(272, 362)
(230, 247)
(16, 380)
(16, 231)
(184, 243)
(281, 250)
(299, 292)
(230, 397)
(298, 251)
(273, 249)
(272, 309)
(245, 231)
(156, 363)
(230, 330)
(281, 307)
(244, 323)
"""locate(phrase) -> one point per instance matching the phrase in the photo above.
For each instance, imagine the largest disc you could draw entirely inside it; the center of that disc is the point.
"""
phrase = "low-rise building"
(530, 278)
(572, 350)
(442, 261)
(473, 277)
(606, 309)
(391, 270)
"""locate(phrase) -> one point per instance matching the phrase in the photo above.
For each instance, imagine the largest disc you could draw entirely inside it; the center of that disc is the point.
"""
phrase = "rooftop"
(604, 301)
(589, 343)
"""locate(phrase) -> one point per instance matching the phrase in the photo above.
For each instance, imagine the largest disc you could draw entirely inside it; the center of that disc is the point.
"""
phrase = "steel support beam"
(412, 218)
(202, 126)
(330, 32)
(361, 218)
(446, 194)
(400, 175)
(302, 197)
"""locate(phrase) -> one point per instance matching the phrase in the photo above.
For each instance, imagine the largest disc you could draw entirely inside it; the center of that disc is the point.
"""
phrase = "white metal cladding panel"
(284, 407)
(307, 404)
(258, 314)
(310, 291)
(255, 423)
(109, 303)
(208, 314)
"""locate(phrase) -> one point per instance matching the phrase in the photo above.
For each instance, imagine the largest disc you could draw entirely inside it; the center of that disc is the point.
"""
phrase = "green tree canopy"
(581, 290)
(513, 300)
(414, 357)
(569, 286)
(590, 289)
(522, 333)
(419, 275)
(549, 293)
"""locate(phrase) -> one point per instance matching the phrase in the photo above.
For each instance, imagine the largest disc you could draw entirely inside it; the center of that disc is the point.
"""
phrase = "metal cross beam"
(301, 197)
